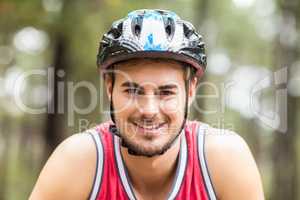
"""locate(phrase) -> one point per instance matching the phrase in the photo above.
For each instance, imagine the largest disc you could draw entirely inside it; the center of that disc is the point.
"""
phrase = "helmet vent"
(169, 30)
(120, 27)
(169, 27)
(137, 30)
(188, 32)
(136, 25)
(116, 31)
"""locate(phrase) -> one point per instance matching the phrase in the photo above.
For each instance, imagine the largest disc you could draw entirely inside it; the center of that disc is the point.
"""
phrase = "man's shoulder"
(77, 147)
(231, 164)
(69, 171)
(217, 139)
(224, 140)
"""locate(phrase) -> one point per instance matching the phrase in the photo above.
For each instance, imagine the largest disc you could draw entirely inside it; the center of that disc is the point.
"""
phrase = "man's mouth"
(149, 127)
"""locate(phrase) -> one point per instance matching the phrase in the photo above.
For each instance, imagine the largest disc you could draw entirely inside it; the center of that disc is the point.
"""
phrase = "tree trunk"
(201, 13)
(54, 131)
(5, 126)
(284, 150)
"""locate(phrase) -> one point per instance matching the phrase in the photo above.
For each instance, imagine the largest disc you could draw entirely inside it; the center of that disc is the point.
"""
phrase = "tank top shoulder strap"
(94, 132)
(201, 132)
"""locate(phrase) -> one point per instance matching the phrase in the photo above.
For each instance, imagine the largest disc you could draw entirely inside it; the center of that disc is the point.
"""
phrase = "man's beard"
(139, 150)
(136, 149)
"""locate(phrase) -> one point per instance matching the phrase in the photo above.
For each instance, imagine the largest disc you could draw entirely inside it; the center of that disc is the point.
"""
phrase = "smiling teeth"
(149, 127)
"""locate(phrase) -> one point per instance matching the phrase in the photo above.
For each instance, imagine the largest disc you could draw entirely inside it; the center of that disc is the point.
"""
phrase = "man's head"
(148, 58)
(148, 99)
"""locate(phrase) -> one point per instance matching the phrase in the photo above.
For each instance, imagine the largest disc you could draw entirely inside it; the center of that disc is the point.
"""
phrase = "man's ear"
(192, 89)
(108, 85)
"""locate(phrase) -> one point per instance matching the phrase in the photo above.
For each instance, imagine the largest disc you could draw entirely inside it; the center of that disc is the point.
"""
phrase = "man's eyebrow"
(166, 87)
(130, 84)
(136, 85)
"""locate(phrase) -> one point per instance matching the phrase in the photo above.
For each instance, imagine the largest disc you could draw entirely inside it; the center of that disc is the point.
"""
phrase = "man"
(151, 62)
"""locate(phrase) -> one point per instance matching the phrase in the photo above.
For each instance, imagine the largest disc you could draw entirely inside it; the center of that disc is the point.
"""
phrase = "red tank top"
(192, 181)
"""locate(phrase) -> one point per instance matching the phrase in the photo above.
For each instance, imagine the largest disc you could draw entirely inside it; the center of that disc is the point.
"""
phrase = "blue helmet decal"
(153, 15)
(150, 46)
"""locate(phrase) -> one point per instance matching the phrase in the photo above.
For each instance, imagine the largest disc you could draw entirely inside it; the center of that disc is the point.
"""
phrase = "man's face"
(149, 103)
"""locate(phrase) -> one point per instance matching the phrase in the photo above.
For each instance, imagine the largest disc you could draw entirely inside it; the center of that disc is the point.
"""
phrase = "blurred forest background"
(252, 84)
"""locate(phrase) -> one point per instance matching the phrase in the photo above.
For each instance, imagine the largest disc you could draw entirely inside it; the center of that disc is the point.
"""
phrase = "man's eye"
(166, 93)
(133, 91)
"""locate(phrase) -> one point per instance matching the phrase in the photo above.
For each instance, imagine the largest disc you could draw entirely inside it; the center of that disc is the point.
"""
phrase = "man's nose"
(148, 105)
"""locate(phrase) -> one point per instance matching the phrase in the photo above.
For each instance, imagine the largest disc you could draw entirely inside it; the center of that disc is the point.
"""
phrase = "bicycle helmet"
(152, 34)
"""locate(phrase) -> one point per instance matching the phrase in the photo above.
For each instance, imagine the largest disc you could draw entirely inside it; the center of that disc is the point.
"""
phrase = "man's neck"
(152, 174)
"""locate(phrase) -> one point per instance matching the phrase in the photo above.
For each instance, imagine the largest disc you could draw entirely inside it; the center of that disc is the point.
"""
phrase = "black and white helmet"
(152, 34)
